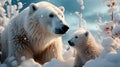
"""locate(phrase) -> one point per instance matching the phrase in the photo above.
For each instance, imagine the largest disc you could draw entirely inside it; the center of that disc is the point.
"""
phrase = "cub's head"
(80, 38)
(45, 17)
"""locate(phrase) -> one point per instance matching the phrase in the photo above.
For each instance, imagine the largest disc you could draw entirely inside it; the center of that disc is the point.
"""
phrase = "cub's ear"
(62, 8)
(32, 8)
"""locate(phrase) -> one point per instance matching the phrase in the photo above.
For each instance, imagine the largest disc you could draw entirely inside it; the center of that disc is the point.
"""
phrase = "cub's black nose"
(87, 33)
(71, 43)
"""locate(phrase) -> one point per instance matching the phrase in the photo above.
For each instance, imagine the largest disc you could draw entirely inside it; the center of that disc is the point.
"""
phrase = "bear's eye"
(76, 36)
(51, 15)
(62, 16)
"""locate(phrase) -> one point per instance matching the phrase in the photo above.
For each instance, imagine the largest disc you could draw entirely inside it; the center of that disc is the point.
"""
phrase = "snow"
(25, 63)
(106, 27)
(3, 65)
(116, 31)
(109, 57)
(3, 19)
(111, 60)
(12, 11)
(110, 46)
(100, 63)
(9, 1)
(83, 22)
(20, 5)
(113, 9)
(117, 18)
(81, 4)
(68, 56)
(56, 63)
(67, 52)
(29, 63)
(82, 7)
(68, 59)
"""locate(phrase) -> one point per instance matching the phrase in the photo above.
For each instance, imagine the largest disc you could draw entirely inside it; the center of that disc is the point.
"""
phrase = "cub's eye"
(51, 15)
(76, 36)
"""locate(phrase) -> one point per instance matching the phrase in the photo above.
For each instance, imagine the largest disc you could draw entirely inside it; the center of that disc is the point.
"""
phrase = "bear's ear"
(33, 8)
(62, 8)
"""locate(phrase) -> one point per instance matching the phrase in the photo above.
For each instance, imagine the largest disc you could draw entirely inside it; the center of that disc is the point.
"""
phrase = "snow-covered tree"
(110, 56)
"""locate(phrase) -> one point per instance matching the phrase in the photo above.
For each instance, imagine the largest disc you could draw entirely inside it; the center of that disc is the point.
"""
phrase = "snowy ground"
(68, 56)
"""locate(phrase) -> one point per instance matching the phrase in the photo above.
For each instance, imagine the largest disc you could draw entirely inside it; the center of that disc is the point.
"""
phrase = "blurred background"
(90, 9)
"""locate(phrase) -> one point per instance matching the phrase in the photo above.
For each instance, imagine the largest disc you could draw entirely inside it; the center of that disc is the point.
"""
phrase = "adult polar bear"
(35, 33)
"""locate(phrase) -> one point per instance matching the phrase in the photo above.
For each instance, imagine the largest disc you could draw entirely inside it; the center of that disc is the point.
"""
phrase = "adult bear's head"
(46, 18)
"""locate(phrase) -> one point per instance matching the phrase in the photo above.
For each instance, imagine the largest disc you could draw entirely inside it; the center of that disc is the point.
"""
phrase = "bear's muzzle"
(62, 30)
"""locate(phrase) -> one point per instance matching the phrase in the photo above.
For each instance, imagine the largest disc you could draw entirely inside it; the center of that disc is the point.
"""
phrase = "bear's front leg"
(49, 53)
(78, 62)
(54, 50)
(19, 46)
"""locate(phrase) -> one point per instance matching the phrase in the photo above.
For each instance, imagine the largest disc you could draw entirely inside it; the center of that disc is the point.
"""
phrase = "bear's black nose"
(65, 28)
(71, 43)
(62, 30)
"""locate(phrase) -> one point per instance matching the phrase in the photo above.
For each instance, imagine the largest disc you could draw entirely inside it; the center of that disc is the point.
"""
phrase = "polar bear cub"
(85, 46)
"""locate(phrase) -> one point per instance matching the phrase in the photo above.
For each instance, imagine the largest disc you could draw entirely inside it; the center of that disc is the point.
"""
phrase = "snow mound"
(114, 58)
(110, 43)
(111, 60)
(116, 31)
(113, 9)
(67, 55)
(55, 63)
(110, 46)
(30, 63)
(100, 63)
(20, 5)
(3, 65)
(106, 26)
(110, 56)
(116, 19)
(68, 59)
